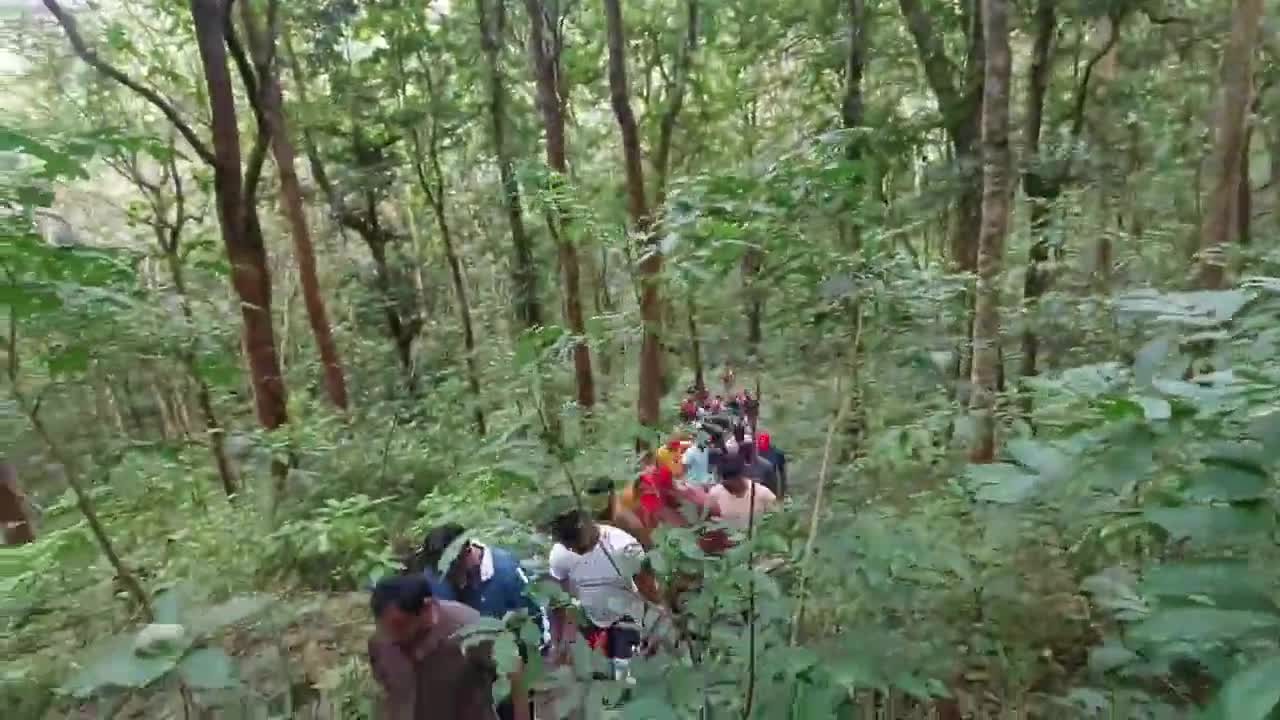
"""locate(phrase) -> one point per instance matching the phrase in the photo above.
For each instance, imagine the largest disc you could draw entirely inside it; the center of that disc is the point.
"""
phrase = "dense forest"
(285, 284)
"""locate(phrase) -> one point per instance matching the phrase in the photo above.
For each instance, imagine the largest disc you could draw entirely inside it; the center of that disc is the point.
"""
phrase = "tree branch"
(938, 68)
(90, 57)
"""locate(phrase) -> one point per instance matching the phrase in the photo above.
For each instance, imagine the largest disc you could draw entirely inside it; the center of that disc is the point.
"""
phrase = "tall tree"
(959, 94)
(1226, 162)
(996, 188)
(546, 42)
(492, 18)
(237, 214)
(434, 187)
(649, 267)
(270, 100)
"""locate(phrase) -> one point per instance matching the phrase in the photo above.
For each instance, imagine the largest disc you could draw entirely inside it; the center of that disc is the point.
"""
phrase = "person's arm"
(395, 673)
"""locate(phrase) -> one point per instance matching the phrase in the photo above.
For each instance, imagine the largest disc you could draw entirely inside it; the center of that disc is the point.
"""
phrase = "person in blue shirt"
(488, 579)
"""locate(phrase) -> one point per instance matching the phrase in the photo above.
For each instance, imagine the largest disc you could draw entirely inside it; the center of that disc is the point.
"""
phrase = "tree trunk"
(1225, 163)
(995, 225)
(15, 514)
(695, 343)
(1244, 193)
(401, 334)
(1040, 187)
(851, 109)
(523, 273)
(240, 234)
(272, 104)
(649, 265)
(435, 192)
(545, 45)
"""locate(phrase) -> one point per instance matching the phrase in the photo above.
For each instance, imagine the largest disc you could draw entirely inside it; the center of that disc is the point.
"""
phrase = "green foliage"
(341, 545)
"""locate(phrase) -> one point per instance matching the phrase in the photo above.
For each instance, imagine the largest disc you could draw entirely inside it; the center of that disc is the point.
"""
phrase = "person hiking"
(418, 658)
(738, 496)
(606, 570)
(771, 453)
(487, 579)
(756, 467)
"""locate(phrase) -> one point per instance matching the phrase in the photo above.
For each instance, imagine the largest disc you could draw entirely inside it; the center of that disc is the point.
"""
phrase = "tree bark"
(995, 225)
(1225, 163)
(240, 234)
(851, 110)
(271, 102)
(649, 265)
(524, 274)
(15, 514)
(545, 45)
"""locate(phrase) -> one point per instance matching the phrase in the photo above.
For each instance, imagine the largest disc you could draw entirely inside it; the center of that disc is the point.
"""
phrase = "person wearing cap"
(767, 450)
(738, 496)
(757, 468)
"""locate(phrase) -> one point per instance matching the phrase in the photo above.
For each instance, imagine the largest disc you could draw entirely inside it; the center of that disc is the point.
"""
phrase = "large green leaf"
(1048, 461)
(1230, 483)
(1230, 584)
(113, 663)
(235, 610)
(1002, 482)
(1201, 624)
(1250, 694)
(208, 669)
(1212, 523)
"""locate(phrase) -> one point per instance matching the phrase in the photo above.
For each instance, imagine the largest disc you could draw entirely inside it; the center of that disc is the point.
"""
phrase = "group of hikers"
(719, 470)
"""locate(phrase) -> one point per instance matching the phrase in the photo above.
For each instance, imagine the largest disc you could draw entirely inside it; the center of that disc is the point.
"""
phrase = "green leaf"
(1228, 584)
(1209, 523)
(1227, 483)
(1266, 428)
(208, 669)
(1201, 624)
(1148, 360)
(1002, 482)
(1155, 409)
(67, 361)
(1250, 694)
(1048, 461)
(1109, 656)
(113, 663)
(235, 610)
(29, 299)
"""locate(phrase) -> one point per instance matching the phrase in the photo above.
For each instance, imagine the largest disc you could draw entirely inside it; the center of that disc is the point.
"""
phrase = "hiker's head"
(572, 529)
(403, 607)
(730, 472)
(436, 541)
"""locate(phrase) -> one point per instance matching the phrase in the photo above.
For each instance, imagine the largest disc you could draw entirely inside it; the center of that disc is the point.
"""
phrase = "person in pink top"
(738, 496)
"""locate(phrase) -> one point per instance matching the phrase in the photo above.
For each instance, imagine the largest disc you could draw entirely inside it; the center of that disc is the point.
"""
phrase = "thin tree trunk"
(1244, 193)
(240, 233)
(435, 192)
(524, 274)
(1225, 164)
(851, 108)
(649, 265)
(995, 225)
(545, 45)
(15, 514)
(271, 102)
(695, 343)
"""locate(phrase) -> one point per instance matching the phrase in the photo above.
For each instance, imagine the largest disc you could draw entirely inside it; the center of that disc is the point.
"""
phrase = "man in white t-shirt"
(605, 569)
(736, 492)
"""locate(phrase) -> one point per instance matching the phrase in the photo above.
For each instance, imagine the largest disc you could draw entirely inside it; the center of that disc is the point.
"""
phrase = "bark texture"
(493, 27)
(649, 265)
(15, 514)
(995, 226)
(545, 45)
(238, 222)
(1226, 165)
(271, 104)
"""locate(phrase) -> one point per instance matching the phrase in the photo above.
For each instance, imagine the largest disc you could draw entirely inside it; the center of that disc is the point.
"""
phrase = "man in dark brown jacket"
(418, 657)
